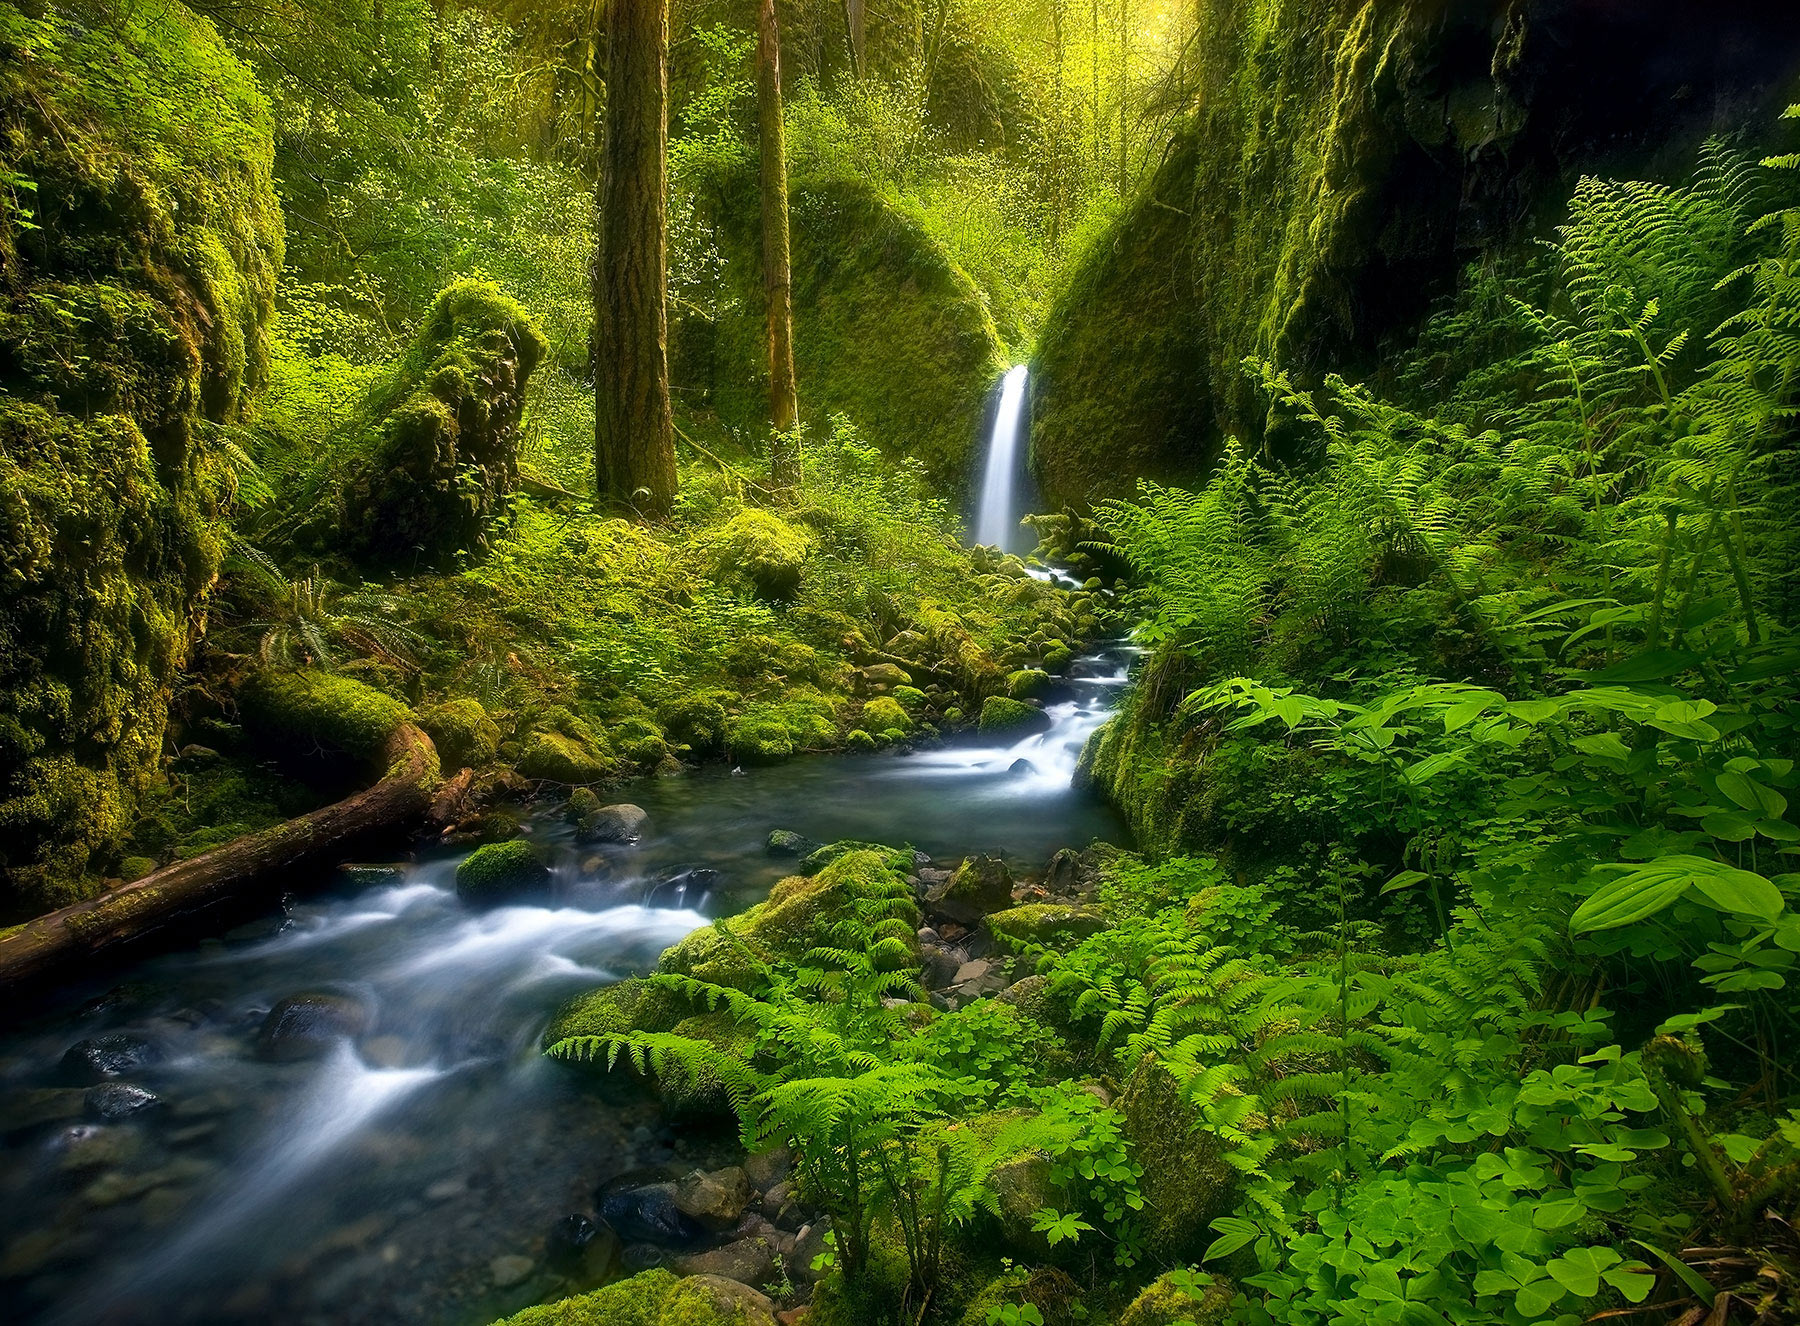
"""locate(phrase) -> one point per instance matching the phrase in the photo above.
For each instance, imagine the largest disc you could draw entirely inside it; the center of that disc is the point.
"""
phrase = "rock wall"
(140, 241)
(1341, 161)
(888, 329)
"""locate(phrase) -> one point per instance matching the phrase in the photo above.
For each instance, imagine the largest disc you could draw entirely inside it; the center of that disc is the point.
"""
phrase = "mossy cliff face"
(445, 454)
(1343, 160)
(895, 334)
(140, 240)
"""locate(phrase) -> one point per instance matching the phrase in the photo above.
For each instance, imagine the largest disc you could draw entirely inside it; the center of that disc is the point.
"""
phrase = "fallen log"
(246, 873)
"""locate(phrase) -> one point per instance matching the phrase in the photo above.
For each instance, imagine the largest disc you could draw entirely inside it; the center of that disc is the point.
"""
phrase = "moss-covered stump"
(656, 1298)
(445, 451)
(502, 872)
(133, 311)
(1341, 164)
(1164, 1304)
(887, 309)
(1187, 1182)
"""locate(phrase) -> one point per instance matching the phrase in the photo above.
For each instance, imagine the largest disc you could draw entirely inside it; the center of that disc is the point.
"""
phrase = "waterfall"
(997, 518)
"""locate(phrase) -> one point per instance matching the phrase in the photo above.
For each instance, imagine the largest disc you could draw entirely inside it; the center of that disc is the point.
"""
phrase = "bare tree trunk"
(1099, 126)
(855, 27)
(634, 440)
(1124, 84)
(784, 405)
(1056, 125)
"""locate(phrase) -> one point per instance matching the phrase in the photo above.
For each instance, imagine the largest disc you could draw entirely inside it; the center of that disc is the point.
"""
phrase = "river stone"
(1021, 766)
(886, 674)
(119, 1100)
(578, 1248)
(502, 872)
(509, 1271)
(982, 884)
(809, 1244)
(940, 963)
(786, 842)
(650, 1215)
(102, 1058)
(724, 1300)
(365, 876)
(716, 1199)
(767, 1168)
(749, 1261)
(304, 1026)
(1011, 718)
(621, 823)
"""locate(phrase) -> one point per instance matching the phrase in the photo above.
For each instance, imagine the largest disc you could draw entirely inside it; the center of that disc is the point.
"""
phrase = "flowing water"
(380, 1182)
(997, 515)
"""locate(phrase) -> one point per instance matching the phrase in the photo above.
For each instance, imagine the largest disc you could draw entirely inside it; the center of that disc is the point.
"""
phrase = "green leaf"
(1404, 880)
(1606, 745)
(1687, 1274)
(1628, 899)
(1234, 1232)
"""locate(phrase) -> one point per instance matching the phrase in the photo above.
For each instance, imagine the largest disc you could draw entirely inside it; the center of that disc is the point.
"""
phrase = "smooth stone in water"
(716, 1199)
(749, 1261)
(650, 1215)
(304, 1026)
(786, 842)
(119, 1100)
(102, 1058)
(1021, 766)
(509, 1271)
(621, 823)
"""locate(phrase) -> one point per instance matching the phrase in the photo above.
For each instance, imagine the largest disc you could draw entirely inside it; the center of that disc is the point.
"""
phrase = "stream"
(410, 1173)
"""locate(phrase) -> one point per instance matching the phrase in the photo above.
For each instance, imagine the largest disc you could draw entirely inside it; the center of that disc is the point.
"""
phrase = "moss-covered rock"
(1047, 923)
(884, 713)
(462, 732)
(1342, 163)
(1163, 1304)
(763, 549)
(502, 872)
(911, 699)
(1187, 1183)
(1050, 1291)
(639, 1301)
(758, 739)
(133, 318)
(288, 711)
(557, 757)
(887, 309)
(697, 719)
(633, 1004)
(705, 1094)
(1001, 717)
(1027, 683)
(445, 454)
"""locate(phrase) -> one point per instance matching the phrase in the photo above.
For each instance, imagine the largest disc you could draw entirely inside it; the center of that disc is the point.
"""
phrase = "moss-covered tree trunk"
(634, 440)
(784, 403)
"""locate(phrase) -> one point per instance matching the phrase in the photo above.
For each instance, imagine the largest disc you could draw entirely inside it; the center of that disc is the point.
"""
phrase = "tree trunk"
(784, 406)
(246, 873)
(855, 22)
(634, 440)
(1124, 83)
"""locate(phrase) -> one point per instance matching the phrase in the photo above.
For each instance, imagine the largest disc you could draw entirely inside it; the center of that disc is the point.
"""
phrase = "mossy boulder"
(1164, 1304)
(758, 739)
(445, 454)
(763, 549)
(502, 872)
(1027, 683)
(884, 714)
(705, 1093)
(1187, 1182)
(134, 319)
(557, 757)
(288, 711)
(887, 307)
(633, 1004)
(1052, 1292)
(981, 884)
(1002, 717)
(655, 1298)
(1046, 923)
(697, 720)
(820, 857)
(462, 732)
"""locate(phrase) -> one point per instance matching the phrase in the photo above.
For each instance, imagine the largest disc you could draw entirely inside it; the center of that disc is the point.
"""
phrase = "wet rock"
(1001, 717)
(502, 872)
(1021, 767)
(928, 936)
(767, 1168)
(940, 963)
(641, 1257)
(21, 1110)
(886, 674)
(749, 1261)
(717, 1199)
(786, 842)
(304, 1026)
(1187, 1183)
(1023, 1187)
(781, 1207)
(102, 1058)
(982, 884)
(509, 1271)
(113, 1188)
(621, 823)
(368, 876)
(121, 999)
(445, 1190)
(112, 1101)
(578, 1248)
(649, 1215)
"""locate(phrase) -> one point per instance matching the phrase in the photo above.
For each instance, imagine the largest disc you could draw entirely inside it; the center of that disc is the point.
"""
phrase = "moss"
(1045, 923)
(133, 328)
(633, 1004)
(289, 710)
(758, 739)
(763, 549)
(770, 732)
(556, 757)
(1027, 683)
(704, 1094)
(445, 427)
(911, 699)
(697, 719)
(1162, 1304)
(462, 731)
(134, 868)
(817, 859)
(1001, 716)
(499, 872)
(884, 713)
(1187, 1182)
(638, 1301)
(639, 740)
(887, 309)
(857, 739)
(1050, 1291)
(1057, 656)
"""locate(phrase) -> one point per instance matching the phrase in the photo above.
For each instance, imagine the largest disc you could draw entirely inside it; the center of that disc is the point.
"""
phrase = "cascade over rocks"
(1342, 161)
